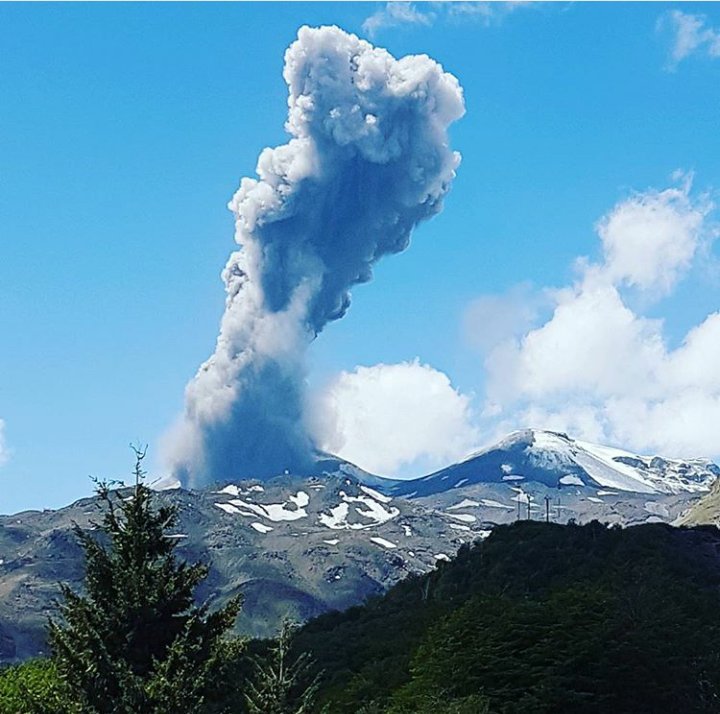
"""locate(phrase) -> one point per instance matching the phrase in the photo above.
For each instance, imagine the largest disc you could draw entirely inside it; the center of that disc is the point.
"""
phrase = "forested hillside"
(537, 618)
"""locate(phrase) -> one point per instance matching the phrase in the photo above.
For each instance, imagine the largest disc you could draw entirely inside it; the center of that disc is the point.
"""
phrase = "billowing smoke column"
(368, 160)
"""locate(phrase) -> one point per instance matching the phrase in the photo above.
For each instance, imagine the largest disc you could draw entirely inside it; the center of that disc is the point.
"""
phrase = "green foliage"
(441, 703)
(537, 619)
(281, 683)
(590, 649)
(32, 688)
(135, 641)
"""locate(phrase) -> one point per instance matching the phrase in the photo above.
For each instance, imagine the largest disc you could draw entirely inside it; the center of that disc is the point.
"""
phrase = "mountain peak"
(556, 460)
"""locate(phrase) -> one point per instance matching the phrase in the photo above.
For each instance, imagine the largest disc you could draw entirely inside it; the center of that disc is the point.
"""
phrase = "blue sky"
(125, 129)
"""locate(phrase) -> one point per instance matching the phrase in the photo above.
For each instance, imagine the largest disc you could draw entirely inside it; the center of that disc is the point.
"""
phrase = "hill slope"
(300, 545)
(704, 511)
(294, 546)
(538, 618)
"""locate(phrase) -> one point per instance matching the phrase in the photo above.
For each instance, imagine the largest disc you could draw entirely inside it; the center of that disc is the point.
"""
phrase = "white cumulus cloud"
(394, 419)
(598, 368)
(650, 240)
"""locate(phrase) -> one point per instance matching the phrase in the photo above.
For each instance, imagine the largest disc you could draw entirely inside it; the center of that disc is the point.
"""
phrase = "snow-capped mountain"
(556, 461)
(299, 545)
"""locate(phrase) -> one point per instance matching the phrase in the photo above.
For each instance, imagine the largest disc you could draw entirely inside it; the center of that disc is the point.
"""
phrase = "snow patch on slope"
(464, 517)
(465, 503)
(376, 495)
(272, 511)
(261, 527)
(365, 506)
(384, 543)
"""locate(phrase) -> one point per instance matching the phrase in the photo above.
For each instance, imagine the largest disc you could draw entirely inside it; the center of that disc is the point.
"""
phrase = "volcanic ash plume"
(368, 160)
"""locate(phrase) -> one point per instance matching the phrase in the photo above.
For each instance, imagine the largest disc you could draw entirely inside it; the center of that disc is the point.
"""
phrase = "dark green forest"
(538, 618)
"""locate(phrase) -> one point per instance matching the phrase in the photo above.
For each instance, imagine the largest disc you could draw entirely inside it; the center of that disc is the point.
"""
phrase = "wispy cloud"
(4, 455)
(491, 319)
(690, 35)
(397, 13)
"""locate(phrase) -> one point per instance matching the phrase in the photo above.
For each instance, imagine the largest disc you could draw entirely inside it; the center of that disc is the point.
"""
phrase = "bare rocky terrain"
(296, 545)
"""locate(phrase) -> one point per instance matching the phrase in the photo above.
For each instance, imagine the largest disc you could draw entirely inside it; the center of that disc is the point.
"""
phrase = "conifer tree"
(134, 641)
(282, 684)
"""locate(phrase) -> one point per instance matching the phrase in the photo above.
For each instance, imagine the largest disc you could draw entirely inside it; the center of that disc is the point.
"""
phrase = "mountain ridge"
(299, 545)
(547, 457)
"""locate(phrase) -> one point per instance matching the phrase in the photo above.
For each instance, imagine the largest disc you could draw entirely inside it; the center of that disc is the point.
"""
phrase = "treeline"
(538, 619)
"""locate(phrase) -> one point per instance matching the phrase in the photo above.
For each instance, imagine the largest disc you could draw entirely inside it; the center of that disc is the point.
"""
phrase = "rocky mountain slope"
(704, 511)
(298, 546)
(544, 474)
(294, 546)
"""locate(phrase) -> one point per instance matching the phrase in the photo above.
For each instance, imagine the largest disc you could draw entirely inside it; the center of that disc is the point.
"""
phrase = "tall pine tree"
(134, 641)
(282, 684)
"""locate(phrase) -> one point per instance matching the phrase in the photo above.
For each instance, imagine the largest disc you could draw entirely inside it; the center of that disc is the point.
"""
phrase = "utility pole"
(547, 509)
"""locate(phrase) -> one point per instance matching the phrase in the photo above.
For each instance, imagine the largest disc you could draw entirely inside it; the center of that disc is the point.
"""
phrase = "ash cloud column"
(368, 159)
